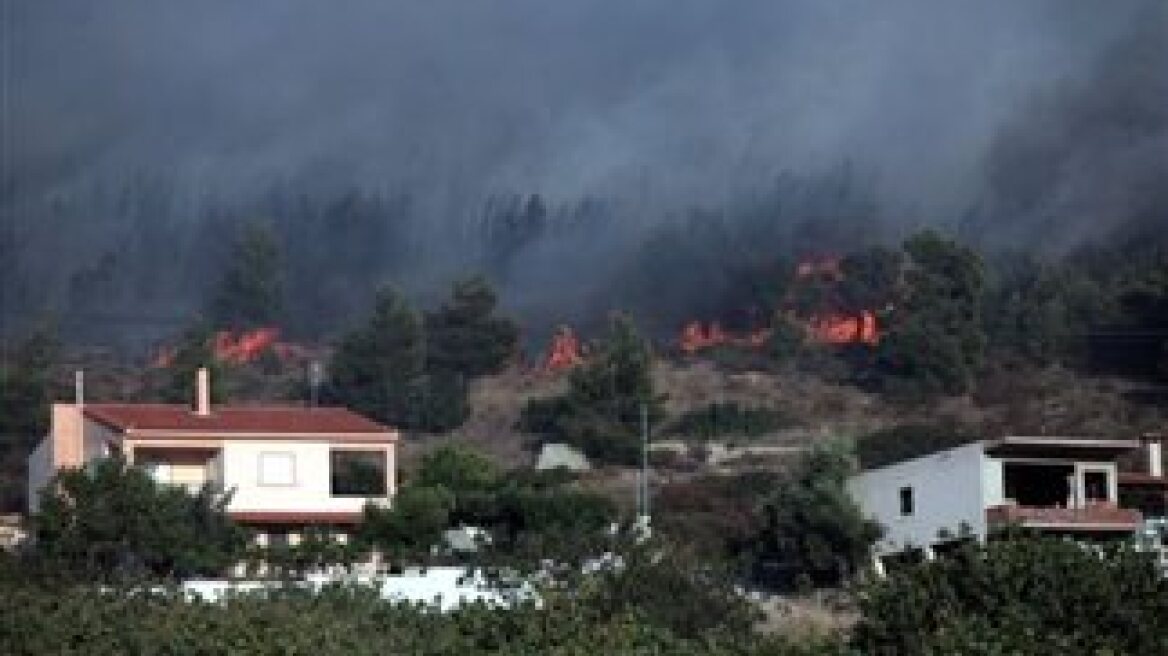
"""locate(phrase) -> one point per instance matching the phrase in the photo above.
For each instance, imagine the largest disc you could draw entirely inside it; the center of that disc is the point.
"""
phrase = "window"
(159, 471)
(277, 468)
(357, 473)
(278, 539)
(1095, 487)
(906, 501)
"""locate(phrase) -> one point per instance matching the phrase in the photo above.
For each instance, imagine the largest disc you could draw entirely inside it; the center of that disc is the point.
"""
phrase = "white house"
(1063, 485)
(287, 467)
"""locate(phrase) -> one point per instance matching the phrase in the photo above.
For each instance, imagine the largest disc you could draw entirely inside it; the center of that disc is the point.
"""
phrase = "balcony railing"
(1094, 516)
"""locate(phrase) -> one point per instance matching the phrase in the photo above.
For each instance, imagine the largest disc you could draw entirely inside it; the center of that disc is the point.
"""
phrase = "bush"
(1019, 595)
(610, 617)
(812, 530)
(601, 412)
(109, 521)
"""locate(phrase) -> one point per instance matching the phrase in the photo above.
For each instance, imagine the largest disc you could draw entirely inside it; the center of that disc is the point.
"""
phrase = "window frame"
(260, 479)
(907, 498)
(383, 457)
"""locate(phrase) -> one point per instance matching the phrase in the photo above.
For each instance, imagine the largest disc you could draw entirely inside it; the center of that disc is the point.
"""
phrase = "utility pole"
(315, 378)
(643, 487)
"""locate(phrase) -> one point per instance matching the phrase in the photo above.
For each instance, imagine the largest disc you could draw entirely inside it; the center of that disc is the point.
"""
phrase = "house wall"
(40, 469)
(72, 441)
(948, 490)
(310, 489)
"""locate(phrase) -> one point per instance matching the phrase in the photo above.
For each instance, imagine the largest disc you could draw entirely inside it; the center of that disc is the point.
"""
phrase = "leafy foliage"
(601, 412)
(412, 525)
(1019, 595)
(530, 517)
(812, 531)
(936, 340)
(110, 520)
(251, 292)
(26, 391)
(463, 336)
(378, 368)
(353, 621)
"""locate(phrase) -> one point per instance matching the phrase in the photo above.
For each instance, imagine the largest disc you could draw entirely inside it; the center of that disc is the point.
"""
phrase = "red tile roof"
(232, 419)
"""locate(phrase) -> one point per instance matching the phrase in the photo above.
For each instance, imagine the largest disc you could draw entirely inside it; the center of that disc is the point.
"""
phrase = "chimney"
(1155, 451)
(203, 392)
(79, 388)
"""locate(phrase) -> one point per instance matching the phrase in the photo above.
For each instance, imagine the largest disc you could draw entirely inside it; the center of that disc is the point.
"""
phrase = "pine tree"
(251, 292)
(378, 369)
(464, 337)
(937, 339)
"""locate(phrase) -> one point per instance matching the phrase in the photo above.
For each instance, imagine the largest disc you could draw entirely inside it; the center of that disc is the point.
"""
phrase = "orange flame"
(246, 347)
(564, 352)
(242, 348)
(697, 337)
(840, 330)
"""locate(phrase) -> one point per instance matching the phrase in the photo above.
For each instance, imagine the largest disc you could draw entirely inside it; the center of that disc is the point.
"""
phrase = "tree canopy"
(109, 520)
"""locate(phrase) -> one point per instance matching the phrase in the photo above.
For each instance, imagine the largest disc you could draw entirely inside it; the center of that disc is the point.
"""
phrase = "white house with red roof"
(286, 467)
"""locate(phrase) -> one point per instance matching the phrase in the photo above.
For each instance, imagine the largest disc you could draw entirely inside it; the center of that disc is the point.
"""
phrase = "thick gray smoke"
(654, 105)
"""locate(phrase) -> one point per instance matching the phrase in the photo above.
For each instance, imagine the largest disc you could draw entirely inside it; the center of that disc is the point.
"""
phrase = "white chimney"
(203, 392)
(1155, 457)
(79, 388)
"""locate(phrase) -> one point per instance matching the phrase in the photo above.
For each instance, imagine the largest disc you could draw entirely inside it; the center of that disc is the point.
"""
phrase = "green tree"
(109, 520)
(937, 339)
(601, 412)
(458, 469)
(812, 530)
(378, 369)
(26, 392)
(464, 336)
(412, 525)
(26, 386)
(251, 292)
(871, 278)
(1019, 594)
(444, 401)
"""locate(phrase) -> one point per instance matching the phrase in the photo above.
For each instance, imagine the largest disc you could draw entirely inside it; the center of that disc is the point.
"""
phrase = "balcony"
(1099, 516)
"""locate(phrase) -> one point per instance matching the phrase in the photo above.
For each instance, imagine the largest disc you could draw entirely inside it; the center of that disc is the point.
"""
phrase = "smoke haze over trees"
(678, 147)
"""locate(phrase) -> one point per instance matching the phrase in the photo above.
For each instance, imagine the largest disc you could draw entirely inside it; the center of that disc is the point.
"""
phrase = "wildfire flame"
(829, 327)
(696, 336)
(840, 330)
(242, 348)
(564, 352)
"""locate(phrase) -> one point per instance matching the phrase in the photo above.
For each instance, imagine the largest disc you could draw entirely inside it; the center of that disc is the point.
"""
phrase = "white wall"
(312, 478)
(947, 491)
(95, 440)
(40, 469)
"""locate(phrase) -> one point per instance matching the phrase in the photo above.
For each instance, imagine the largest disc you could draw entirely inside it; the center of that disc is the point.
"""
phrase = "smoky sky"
(673, 100)
(138, 132)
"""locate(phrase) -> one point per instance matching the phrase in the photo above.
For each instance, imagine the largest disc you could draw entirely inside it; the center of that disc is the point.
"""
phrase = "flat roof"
(1040, 446)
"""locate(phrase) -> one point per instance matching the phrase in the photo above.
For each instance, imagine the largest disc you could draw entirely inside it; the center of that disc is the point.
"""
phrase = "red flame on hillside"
(840, 329)
(829, 326)
(696, 336)
(564, 352)
(240, 348)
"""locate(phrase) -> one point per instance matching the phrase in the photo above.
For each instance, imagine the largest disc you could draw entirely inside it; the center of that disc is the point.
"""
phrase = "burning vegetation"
(564, 352)
(825, 318)
(243, 347)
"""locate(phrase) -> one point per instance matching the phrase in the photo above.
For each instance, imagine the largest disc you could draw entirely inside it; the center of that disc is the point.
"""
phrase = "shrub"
(1019, 595)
